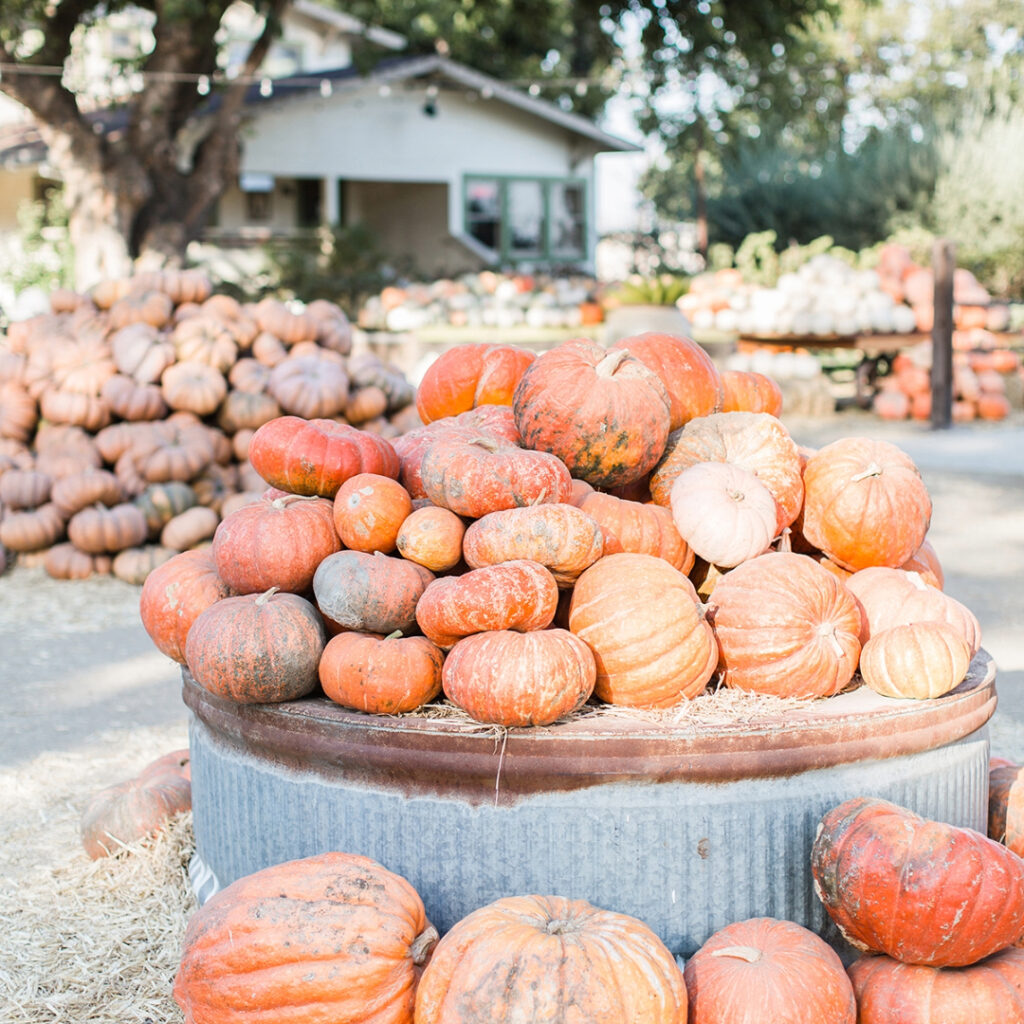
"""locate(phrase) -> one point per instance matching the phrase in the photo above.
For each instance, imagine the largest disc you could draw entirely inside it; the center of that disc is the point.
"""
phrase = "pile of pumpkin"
(983, 381)
(936, 910)
(126, 414)
(549, 534)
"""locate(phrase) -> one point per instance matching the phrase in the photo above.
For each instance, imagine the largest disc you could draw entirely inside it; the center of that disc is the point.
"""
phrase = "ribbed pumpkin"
(100, 530)
(723, 512)
(512, 679)
(920, 891)
(764, 970)
(1006, 806)
(32, 530)
(138, 807)
(642, 620)
(890, 992)
(603, 413)
(560, 537)
(519, 595)
(919, 660)
(925, 562)
(547, 958)
(467, 376)
(66, 562)
(317, 456)
(750, 391)
(865, 503)
(25, 488)
(691, 379)
(894, 597)
(257, 648)
(275, 543)
(382, 675)
(334, 937)
(786, 627)
(474, 476)
(636, 528)
(173, 596)
(313, 385)
(189, 528)
(369, 510)
(431, 537)
(756, 442)
(160, 503)
(370, 593)
(133, 565)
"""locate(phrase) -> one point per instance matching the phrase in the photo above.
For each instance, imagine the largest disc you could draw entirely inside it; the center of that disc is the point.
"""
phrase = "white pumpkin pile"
(823, 298)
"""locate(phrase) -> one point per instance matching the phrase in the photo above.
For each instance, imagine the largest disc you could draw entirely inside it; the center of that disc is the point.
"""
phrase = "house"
(449, 168)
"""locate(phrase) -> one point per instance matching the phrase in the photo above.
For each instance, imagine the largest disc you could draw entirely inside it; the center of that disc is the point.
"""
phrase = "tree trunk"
(700, 203)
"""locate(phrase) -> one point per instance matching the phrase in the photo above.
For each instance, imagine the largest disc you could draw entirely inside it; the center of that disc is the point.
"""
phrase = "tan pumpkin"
(90, 487)
(249, 375)
(365, 403)
(142, 306)
(206, 340)
(246, 410)
(83, 367)
(18, 412)
(919, 660)
(74, 408)
(100, 530)
(25, 488)
(141, 352)
(189, 528)
(132, 401)
(194, 387)
(310, 386)
(133, 565)
(268, 349)
(32, 531)
(66, 562)
(431, 537)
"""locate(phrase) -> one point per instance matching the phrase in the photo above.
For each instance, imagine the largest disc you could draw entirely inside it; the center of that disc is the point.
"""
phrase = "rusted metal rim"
(437, 756)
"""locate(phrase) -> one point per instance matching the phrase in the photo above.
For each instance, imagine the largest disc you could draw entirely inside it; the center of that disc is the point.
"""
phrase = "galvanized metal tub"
(687, 831)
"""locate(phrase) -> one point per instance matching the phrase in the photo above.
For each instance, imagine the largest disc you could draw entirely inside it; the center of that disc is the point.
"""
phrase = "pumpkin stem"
(489, 444)
(917, 580)
(423, 944)
(611, 363)
(735, 495)
(541, 498)
(828, 631)
(266, 596)
(786, 540)
(557, 926)
(874, 469)
(748, 953)
(394, 636)
(286, 499)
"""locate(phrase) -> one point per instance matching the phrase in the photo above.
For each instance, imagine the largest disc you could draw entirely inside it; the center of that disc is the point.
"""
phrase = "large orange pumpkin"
(768, 970)
(691, 379)
(786, 627)
(602, 412)
(750, 391)
(891, 992)
(546, 958)
(920, 891)
(468, 376)
(864, 503)
(642, 620)
(334, 937)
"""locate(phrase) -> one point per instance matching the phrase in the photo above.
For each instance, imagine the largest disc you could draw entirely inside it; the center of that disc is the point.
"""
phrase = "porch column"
(332, 212)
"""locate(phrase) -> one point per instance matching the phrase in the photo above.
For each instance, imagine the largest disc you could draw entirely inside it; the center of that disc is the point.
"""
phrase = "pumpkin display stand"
(688, 829)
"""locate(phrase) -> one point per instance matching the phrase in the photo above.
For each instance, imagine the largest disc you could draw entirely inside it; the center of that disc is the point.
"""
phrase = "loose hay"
(88, 942)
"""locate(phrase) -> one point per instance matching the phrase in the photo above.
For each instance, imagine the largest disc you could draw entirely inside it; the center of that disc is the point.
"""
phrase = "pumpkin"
(1006, 806)
(750, 391)
(891, 992)
(519, 595)
(133, 565)
(337, 935)
(547, 958)
(275, 543)
(764, 969)
(925, 562)
(160, 503)
(382, 675)
(561, 537)
(193, 386)
(637, 528)
(865, 503)
(993, 406)
(66, 562)
(30, 531)
(311, 386)
(98, 529)
(139, 807)
(174, 594)
(250, 376)
(74, 408)
(205, 339)
(142, 306)
(242, 410)
(603, 413)
(83, 367)
(269, 350)
(368, 369)
(365, 403)
(508, 678)
(279, 320)
(317, 456)
(174, 452)
(474, 476)
(723, 512)
(756, 442)
(141, 352)
(62, 450)
(132, 401)
(18, 412)
(470, 375)
(919, 660)
(24, 488)
(642, 619)
(920, 891)
(894, 597)
(189, 528)
(257, 648)
(333, 328)
(786, 627)
(369, 510)
(431, 537)
(370, 593)
(692, 382)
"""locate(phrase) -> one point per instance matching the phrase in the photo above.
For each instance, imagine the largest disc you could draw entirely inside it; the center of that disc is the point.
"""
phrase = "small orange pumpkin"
(369, 510)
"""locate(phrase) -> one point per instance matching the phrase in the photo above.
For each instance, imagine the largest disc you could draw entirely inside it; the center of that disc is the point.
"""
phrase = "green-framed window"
(527, 219)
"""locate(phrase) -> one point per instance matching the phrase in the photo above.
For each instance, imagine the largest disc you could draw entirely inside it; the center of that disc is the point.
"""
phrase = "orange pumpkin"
(369, 510)
(431, 537)
(750, 391)
(547, 958)
(919, 660)
(642, 619)
(1006, 806)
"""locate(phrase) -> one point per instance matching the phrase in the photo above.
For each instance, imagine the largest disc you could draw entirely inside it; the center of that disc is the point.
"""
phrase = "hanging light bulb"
(203, 85)
(266, 87)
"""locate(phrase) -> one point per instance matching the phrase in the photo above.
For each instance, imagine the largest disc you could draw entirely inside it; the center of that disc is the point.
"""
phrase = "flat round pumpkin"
(471, 375)
(920, 660)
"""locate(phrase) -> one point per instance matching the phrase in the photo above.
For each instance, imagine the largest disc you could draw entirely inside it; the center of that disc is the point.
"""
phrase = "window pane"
(483, 212)
(567, 220)
(525, 218)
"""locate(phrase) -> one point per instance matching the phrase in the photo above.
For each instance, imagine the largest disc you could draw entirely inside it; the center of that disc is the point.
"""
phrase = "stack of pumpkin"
(938, 912)
(983, 382)
(125, 415)
(548, 534)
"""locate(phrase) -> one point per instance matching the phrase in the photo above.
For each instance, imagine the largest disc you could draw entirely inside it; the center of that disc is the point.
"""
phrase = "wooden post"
(943, 264)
